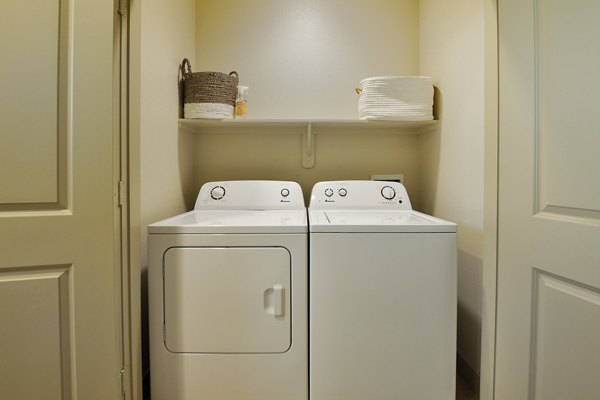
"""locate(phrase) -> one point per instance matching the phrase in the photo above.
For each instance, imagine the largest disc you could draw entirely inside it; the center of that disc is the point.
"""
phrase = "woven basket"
(209, 95)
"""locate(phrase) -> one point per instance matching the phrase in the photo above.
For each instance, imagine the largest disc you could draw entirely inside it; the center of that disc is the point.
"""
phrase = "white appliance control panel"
(359, 195)
(217, 192)
(250, 195)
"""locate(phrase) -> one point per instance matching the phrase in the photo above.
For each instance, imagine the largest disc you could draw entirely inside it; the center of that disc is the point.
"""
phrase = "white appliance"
(228, 295)
(382, 296)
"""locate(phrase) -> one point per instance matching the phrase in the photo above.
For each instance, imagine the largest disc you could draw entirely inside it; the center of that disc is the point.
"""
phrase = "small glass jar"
(241, 103)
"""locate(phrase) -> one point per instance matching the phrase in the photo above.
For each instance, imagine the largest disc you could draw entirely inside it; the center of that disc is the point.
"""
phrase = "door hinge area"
(122, 6)
(124, 386)
(122, 193)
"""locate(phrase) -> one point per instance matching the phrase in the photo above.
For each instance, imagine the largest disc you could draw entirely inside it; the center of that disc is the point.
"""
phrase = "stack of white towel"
(397, 98)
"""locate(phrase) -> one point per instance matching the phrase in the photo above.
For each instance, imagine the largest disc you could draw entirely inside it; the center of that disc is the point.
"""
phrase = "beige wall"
(167, 37)
(303, 59)
(451, 50)
(166, 169)
(352, 40)
(338, 155)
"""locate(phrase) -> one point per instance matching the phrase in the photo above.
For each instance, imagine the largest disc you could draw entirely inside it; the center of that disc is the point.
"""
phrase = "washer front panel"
(382, 316)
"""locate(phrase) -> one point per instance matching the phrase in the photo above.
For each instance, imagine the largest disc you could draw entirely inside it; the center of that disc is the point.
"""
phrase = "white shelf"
(322, 126)
(401, 127)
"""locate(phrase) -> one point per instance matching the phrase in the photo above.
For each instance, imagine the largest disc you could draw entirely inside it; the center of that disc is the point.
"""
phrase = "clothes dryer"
(382, 295)
(228, 295)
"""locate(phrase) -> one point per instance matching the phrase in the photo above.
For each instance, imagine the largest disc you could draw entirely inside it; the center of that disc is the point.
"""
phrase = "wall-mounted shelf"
(321, 125)
(406, 127)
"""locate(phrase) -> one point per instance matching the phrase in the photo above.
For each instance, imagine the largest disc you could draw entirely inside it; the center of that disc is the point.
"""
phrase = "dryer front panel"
(227, 299)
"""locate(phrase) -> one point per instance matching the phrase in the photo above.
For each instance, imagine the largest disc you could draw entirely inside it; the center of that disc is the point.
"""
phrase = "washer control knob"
(342, 192)
(217, 193)
(328, 192)
(285, 192)
(388, 192)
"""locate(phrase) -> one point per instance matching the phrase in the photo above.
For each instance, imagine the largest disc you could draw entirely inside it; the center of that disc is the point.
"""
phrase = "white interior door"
(58, 300)
(548, 318)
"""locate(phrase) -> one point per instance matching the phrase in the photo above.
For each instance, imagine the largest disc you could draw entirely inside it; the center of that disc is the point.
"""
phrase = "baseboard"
(468, 374)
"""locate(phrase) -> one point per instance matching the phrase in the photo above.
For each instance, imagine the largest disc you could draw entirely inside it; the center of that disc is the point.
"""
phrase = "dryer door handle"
(278, 300)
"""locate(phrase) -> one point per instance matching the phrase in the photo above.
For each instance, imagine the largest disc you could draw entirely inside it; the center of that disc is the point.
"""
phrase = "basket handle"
(234, 73)
(185, 73)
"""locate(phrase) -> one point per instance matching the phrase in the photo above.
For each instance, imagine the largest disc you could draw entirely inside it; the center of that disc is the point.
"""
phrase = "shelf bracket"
(308, 147)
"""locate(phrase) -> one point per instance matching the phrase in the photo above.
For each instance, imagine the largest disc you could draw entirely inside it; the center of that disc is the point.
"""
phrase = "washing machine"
(228, 295)
(382, 295)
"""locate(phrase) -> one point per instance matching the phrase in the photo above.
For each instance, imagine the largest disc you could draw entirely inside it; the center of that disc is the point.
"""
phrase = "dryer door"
(227, 300)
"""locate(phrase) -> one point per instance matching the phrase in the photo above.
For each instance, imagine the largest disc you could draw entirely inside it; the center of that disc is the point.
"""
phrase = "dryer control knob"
(217, 193)
(328, 192)
(388, 192)
(285, 192)
(342, 192)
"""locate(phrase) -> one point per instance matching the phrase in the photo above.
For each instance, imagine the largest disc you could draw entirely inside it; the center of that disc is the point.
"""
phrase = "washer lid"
(234, 221)
(385, 221)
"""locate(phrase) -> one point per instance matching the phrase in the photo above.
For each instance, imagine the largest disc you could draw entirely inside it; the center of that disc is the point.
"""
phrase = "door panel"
(567, 102)
(548, 318)
(35, 315)
(58, 299)
(34, 79)
(566, 332)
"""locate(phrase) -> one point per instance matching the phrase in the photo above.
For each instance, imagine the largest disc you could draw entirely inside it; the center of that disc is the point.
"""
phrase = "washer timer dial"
(388, 192)
(328, 192)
